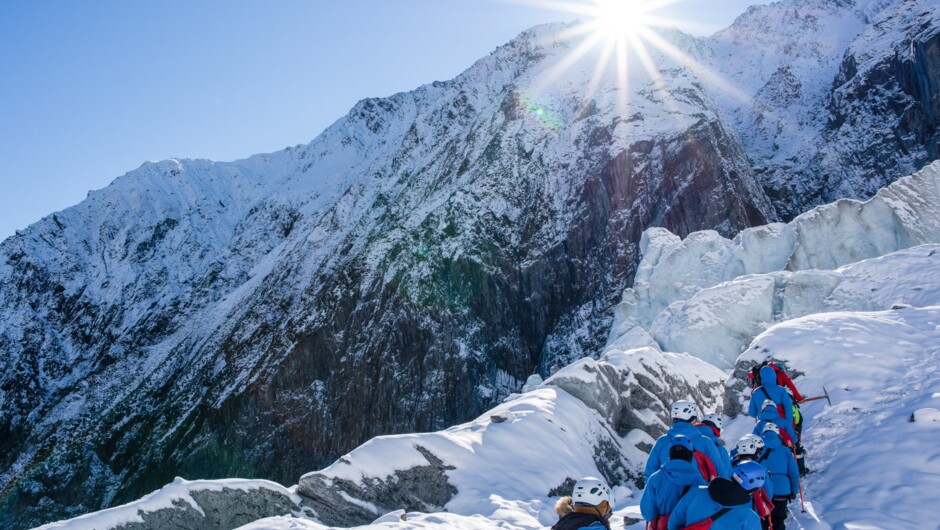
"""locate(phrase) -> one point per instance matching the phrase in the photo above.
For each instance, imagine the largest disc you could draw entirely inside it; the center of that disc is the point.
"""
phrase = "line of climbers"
(694, 483)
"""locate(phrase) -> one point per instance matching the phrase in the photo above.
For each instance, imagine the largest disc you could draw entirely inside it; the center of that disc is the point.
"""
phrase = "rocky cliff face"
(402, 272)
(841, 98)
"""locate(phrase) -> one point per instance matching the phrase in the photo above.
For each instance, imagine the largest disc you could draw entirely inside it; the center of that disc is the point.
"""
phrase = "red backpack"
(705, 466)
(661, 522)
(763, 505)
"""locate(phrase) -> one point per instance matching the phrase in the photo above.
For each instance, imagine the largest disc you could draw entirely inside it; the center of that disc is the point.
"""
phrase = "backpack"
(706, 523)
(705, 466)
(661, 522)
(763, 504)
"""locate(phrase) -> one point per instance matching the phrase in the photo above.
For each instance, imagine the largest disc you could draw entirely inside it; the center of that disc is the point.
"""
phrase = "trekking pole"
(802, 504)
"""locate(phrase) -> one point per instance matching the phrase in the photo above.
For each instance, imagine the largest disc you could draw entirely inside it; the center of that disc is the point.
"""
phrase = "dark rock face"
(882, 112)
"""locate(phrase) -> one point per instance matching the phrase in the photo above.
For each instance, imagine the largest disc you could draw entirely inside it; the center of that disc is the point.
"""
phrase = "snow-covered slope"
(874, 455)
(412, 265)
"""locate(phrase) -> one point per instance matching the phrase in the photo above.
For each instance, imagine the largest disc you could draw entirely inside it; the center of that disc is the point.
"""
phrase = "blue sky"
(89, 90)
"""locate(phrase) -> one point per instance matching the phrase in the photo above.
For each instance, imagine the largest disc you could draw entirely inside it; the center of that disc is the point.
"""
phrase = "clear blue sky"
(91, 89)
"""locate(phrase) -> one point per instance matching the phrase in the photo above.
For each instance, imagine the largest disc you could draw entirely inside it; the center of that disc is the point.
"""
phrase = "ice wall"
(673, 299)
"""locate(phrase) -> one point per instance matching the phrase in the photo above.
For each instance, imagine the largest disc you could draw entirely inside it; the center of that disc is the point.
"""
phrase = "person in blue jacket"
(666, 486)
(769, 389)
(770, 413)
(726, 501)
(684, 414)
(749, 449)
(784, 473)
(711, 429)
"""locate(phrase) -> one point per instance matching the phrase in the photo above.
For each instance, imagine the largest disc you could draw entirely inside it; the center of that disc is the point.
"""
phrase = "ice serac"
(671, 295)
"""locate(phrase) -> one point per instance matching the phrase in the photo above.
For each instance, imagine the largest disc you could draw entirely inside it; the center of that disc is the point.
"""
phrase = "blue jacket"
(724, 466)
(773, 416)
(660, 453)
(664, 488)
(769, 389)
(779, 461)
(703, 502)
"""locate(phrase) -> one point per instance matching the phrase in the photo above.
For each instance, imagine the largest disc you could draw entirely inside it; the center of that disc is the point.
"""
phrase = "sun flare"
(631, 40)
(620, 19)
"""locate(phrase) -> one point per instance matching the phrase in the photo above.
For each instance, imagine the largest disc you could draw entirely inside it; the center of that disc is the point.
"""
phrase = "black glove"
(792, 497)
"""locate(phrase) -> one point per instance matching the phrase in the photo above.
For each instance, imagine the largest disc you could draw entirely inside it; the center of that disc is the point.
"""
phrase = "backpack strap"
(766, 394)
(707, 522)
(764, 456)
(719, 513)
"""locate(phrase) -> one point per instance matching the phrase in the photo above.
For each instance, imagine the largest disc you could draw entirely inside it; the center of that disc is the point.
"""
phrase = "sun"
(621, 34)
(621, 19)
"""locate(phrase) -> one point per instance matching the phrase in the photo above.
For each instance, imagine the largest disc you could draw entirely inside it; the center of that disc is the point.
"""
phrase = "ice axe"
(814, 398)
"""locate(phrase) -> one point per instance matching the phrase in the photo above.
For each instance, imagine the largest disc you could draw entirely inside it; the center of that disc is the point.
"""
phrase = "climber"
(770, 390)
(769, 413)
(666, 486)
(589, 507)
(748, 449)
(784, 381)
(711, 429)
(784, 473)
(726, 502)
(684, 413)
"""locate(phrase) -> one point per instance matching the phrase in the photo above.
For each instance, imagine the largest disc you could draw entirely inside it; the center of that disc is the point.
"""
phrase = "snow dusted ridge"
(782, 271)
(202, 504)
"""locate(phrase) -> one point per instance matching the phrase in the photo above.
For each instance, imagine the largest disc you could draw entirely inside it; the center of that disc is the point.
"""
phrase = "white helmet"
(684, 410)
(768, 403)
(714, 419)
(771, 427)
(591, 491)
(749, 444)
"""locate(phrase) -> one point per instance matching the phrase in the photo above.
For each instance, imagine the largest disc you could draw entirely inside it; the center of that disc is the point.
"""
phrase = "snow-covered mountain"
(505, 469)
(415, 263)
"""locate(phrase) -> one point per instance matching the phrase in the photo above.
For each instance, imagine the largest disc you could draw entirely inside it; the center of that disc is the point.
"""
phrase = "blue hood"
(772, 440)
(683, 473)
(768, 377)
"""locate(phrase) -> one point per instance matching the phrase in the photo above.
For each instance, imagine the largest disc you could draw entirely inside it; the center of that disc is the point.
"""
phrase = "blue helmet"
(682, 441)
(680, 448)
(749, 475)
